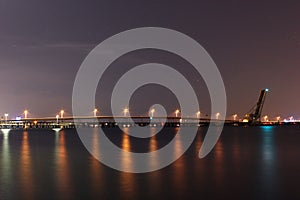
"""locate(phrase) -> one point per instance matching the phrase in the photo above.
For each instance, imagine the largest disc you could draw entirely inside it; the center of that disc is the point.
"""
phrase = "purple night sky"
(255, 44)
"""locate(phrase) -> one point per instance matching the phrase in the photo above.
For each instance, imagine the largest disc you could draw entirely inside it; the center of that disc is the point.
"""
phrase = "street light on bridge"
(62, 113)
(126, 110)
(95, 112)
(57, 116)
(278, 118)
(177, 112)
(6, 116)
(198, 114)
(25, 114)
(152, 112)
(235, 117)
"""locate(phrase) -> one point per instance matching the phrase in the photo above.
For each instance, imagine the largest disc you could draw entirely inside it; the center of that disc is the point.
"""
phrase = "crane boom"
(254, 115)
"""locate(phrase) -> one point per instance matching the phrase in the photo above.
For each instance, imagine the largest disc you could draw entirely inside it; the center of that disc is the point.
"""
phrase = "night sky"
(255, 44)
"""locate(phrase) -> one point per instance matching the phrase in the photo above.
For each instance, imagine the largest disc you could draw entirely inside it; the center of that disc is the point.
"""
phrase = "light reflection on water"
(5, 173)
(153, 146)
(128, 186)
(268, 145)
(219, 163)
(179, 167)
(236, 151)
(268, 165)
(253, 162)
(63, 182)
(26, 172)
(95, 173)
(154, 179)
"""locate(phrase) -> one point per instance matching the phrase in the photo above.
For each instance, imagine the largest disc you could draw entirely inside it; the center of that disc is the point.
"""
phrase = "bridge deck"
(108, 121)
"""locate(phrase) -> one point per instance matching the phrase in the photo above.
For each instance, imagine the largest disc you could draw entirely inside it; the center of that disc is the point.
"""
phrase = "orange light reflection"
(26, 168)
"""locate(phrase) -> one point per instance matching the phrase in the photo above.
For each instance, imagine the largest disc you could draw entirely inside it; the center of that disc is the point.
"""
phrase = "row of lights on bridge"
(125, 112)
(151, 113)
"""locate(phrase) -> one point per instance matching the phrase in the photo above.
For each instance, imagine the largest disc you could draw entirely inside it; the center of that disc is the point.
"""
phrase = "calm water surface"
(246, 163)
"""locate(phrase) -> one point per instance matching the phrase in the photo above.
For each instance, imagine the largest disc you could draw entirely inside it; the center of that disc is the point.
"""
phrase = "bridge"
(101, 121)
(109, 122)
(252, 118)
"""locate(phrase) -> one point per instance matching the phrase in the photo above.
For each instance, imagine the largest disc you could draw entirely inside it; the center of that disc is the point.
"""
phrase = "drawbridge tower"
(254, 115)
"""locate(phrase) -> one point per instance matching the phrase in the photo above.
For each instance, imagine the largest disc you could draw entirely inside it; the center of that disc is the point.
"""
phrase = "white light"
(126, 110)
(152, 112)
(177, 112)
(57, 116)
(6, 116)
(235, 117)
(25, 113)
(62, 113)
(95, 112)
(245, 120)
(198, 114)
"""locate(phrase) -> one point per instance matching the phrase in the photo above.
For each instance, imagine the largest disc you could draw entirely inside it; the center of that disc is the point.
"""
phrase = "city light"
(291, 119)
(217, 115)
(125, 111)
(152, 112)
(62, 113)
(266, 118)
(57, 116)
(25, 114)
(198, 114)
(177, 112)
(278, 118)
(95, 112)
(235, 117)
(6, 116)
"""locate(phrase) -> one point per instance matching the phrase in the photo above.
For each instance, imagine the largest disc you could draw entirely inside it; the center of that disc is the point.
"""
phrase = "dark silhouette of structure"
(254, 115)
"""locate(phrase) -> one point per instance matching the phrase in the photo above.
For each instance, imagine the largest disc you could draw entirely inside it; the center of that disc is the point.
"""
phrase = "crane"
(254, 115)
